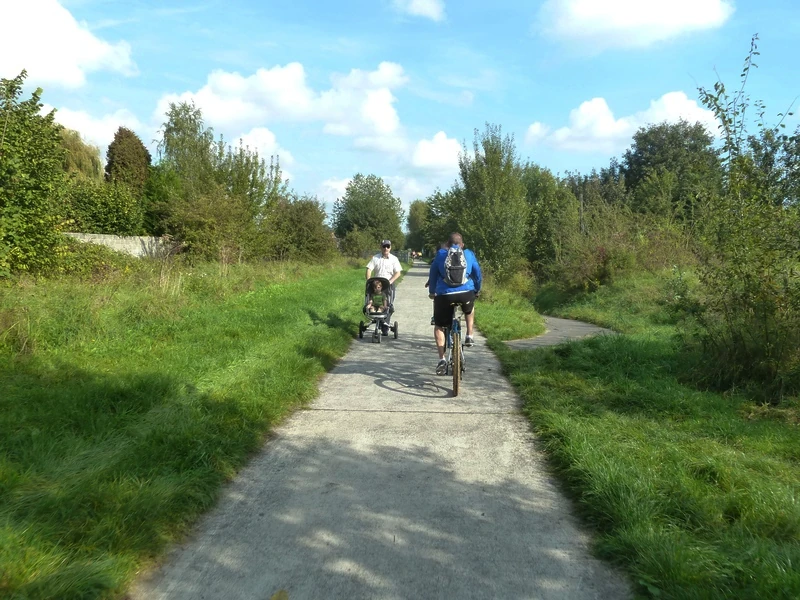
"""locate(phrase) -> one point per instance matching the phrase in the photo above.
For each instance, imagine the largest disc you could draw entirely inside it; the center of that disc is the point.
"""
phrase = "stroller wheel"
(395, 329)
(361, 329)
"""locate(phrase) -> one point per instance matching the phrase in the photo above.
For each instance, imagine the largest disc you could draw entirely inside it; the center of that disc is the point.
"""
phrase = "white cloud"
(44, 38)
(332, 188)
(430, 9)
(536, 132)
(593, 127)
(359, 103)
(263, 141)
(437, 154)
(630, 23)
(98, 131)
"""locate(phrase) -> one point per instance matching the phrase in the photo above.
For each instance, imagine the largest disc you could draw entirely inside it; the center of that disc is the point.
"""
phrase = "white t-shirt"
(384, 267)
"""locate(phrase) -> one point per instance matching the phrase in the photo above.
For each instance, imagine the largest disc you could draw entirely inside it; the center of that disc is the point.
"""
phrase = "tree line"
(216, 201)
(723, 209)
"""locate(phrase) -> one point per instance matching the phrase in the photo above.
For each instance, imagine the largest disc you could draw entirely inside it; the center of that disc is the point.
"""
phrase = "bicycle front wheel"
(456, 362)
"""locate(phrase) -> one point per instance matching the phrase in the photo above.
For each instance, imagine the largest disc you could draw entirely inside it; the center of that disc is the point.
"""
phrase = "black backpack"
(455, 267)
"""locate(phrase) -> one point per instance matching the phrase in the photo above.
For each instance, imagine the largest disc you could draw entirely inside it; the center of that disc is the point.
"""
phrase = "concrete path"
(558, 332)
(387, 487)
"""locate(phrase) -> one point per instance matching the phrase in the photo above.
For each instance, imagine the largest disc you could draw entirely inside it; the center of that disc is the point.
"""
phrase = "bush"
(31, 180)
(98, 207)
(87, 260)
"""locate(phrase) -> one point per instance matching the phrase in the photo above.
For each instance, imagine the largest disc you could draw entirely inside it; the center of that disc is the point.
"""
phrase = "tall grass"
(125, 402)
(696, 494)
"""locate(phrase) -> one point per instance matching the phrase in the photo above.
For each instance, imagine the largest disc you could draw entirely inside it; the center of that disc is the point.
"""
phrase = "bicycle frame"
(455, 348)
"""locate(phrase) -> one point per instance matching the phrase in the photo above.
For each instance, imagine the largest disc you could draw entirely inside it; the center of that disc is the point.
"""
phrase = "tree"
(80, 159)
(748, 305)
(370, 206)
(98, 207)
(298, 231)
(128, 161)
(491, 209)
(418, 215)
(210, 196)
(31, 180)
(187, 147)
(686, 151)
(442, 208)
(554, 217)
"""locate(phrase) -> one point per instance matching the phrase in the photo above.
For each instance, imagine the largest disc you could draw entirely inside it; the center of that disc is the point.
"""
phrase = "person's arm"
(476, 275)
(433, 273)
(370, 266)
(398, 269)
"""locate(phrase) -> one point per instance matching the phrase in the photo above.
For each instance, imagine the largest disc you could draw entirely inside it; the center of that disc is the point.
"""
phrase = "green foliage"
(242, 173)
(442, 211)
(187, 147)
(85, 261)
(370, 206)
(489, 204)
(128, 161)
(210, 224)
(96, 207)
(670, 167)
(747, 309)
(605, 249)
(690, 492)
(214, 198)
(126, 405)
(357, 243)
(80, 159)
(297, 231)
(161, 192)
(31, 178)
(554, 219)
(418, 216)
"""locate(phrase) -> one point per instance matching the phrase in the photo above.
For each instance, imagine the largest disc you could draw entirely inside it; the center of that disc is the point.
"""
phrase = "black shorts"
(443, 309)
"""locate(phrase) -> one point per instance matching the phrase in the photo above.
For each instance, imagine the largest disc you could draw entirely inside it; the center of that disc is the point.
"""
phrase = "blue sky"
(395, 87)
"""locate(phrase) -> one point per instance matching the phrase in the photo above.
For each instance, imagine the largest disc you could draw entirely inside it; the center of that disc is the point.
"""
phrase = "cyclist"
(444, 296)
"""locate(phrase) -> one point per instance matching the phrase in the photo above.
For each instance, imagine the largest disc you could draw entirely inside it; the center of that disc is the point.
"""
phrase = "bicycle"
(454, 350)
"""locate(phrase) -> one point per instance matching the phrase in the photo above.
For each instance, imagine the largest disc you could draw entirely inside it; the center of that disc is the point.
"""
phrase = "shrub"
(98, 207)
(31, 179)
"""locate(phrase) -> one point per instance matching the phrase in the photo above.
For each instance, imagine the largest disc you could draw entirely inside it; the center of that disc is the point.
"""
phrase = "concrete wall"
(129, 244)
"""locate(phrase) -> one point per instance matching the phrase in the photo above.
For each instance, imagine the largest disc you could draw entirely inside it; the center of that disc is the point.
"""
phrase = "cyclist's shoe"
(469, 342)
(385, 329)
(441, 368)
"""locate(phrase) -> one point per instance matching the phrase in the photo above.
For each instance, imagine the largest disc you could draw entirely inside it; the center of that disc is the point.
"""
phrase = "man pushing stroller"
(386, 265)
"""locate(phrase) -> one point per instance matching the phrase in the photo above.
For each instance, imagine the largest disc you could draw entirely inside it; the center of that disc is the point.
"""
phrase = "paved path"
(389, 488)
(559, 331)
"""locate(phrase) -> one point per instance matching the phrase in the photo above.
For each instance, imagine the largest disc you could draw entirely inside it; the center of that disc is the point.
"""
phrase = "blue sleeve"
(476, 274)
(433, 275)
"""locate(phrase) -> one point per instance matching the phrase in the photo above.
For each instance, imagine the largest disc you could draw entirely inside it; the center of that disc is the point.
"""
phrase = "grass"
(695, 494)
(126, 402)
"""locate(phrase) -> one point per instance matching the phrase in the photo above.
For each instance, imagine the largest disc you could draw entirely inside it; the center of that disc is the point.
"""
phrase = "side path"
(387, 487)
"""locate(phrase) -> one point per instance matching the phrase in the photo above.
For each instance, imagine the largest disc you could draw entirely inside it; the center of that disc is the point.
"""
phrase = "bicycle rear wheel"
(456, 362)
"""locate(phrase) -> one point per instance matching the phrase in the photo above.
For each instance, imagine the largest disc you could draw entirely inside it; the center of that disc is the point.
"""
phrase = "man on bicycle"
(445, 294)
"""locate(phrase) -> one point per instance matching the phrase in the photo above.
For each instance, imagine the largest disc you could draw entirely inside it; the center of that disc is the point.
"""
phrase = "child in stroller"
(378, 308)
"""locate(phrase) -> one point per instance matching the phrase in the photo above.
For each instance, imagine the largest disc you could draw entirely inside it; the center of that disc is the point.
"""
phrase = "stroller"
(378, 316)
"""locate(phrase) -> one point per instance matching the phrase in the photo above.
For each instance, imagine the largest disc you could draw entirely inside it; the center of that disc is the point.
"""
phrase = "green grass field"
(695, 494)
(126, 403)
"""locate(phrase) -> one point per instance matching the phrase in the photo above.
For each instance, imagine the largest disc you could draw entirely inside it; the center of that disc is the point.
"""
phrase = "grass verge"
(126, 402)
(694, 494)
